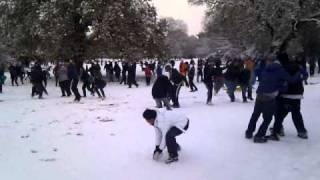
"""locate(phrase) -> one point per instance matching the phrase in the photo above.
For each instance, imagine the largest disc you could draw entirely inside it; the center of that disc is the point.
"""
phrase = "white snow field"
(55, 139)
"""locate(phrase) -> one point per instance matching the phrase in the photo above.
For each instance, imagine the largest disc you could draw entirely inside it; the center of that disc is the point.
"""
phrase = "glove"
(157, 153)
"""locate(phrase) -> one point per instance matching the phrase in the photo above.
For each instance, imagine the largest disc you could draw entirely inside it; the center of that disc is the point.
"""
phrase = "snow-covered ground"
(55, 139)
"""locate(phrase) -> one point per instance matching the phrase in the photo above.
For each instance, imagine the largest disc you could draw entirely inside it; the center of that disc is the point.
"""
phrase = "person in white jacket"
(167, 126)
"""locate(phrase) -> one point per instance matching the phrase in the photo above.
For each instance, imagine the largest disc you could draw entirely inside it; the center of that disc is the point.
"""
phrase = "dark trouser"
(218, 84)
(245, 88)
(74, 88)
(175, 94)
(165, 101)
(124, 79)
(132, 81)
(312, 68)
(57, 80)
(148, 79)
(284, 106)
(231, 88)
(21, 78)
(199, 75)
(101, 90)
(209, 87)
(14, 79)
(117, 76)
(86, 85)
(37, 88)
(265, 106)
(171, 140)
(65, 87)
(0, 88)
(318, 65)
(193, 87)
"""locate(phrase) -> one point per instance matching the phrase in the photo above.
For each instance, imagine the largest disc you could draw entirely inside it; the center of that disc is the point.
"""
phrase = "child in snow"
(167, 125)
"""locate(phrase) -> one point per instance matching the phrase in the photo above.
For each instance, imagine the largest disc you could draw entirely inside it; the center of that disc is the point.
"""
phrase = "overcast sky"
(180, 9)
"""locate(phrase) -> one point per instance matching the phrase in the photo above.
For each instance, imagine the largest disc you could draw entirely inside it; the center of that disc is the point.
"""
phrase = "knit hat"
(149, 114)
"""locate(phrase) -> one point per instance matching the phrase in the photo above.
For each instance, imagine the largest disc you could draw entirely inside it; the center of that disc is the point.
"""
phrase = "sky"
(180, 9)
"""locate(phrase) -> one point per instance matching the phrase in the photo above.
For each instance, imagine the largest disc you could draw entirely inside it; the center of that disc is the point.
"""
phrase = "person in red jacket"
(148, 73)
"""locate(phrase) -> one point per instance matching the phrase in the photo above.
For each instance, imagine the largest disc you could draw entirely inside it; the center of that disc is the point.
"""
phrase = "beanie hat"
(149, 114)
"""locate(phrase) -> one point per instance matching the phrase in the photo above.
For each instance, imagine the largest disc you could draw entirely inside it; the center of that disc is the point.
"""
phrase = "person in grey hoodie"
(64, 81)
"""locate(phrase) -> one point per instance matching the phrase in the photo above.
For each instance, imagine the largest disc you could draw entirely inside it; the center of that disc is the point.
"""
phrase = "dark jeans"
(74, 88)
(14, 80)
(193, 87)
(38, 89)
(148, 79)
(86, 85)
(246, 89)
(98, 90)
(312, 68)
(209, 87)
(231, 88)
(218, 84)
(171, 140)
(132, 81)
(199, 75)
(175, 94)
(0, 88)
(65, 87)
(265, 106)
(165, 101)
(124, 79)
(284, 106)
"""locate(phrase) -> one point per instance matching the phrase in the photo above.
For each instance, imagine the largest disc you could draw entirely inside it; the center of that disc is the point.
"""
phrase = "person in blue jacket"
(273, 79)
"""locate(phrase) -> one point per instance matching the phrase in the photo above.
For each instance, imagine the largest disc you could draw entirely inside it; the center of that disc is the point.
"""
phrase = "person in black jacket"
(244, 81)
(290, 101)
(13, 75)
(87, 81)
(232, 78)
(132, 75)
(117, 71)
(73, 74)
(218, 78)
(208, 81)
(191, 74)
(177, 80)
(125, 67)
(161, 90)
(37, 78)
(200, 70)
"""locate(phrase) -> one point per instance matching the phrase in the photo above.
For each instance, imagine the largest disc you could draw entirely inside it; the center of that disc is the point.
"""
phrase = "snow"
(55, 139)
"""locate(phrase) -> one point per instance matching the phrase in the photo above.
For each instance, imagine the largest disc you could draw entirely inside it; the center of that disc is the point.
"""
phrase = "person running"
(191, 74)
(208, 81)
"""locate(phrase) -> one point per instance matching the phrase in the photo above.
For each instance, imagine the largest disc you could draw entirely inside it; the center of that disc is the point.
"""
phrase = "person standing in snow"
(167, 126)
(132, 75)
(13, 75)
(87, 81)
(244, 81)
(290, 101)
(2, 76)
(200, 70)
(218, 78)
(191, 74)
(161, 90)
(177, 80)
(232, 77)
(208, 81)
(73, 74)
(159, 70)
(37, 77)
(273, 78)
(148, 74)
(125, 67)
(117, 71)
(64, 81)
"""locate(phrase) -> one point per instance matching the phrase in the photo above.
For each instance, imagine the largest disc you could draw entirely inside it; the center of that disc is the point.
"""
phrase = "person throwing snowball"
(167, 126)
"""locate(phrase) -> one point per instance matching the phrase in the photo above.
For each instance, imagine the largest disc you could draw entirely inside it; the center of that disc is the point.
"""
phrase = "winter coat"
(161, 87)
(249, 64)
(191, 72)
(176, 77)
(208, 74)
(232, 74)
(218, 72)
(166, 120)
(244, 77)
(73, 72)
(294, 90)
(2, 76)
(273, 79)
(62, 73)
(37, 75)
(117, 69)
(148, 72)
(159, 71)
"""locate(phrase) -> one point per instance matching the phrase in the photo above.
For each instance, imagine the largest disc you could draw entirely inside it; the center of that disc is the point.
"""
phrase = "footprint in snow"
(55, 149)
(34, 151)
(79, 134)
(106, 120)
(48, 160)
(25, 137)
